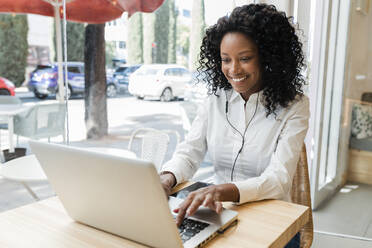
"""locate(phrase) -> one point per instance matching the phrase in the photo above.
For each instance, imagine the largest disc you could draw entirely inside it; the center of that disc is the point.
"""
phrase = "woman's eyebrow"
(247, 51)
(242, 52)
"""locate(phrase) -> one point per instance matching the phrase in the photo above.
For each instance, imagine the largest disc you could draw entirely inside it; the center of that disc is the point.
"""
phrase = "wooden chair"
(301, 195)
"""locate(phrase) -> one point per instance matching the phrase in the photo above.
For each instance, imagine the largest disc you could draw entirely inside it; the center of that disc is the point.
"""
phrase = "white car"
(160, 81)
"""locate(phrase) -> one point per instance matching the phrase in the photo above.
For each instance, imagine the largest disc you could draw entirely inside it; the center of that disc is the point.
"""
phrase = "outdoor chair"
(41, 121)
(7, 100)
(154, 144)
(301, 195)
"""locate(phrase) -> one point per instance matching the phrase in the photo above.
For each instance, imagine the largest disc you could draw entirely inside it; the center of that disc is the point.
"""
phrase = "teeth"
(238, 79)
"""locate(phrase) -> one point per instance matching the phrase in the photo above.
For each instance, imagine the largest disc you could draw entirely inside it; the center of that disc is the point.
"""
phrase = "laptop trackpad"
(203, 213)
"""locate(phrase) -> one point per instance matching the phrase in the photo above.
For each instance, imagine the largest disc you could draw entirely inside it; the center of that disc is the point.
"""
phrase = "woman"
(254, 123)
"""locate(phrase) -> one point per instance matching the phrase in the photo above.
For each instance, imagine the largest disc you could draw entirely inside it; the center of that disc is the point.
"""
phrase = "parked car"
(122, 74)
(6, 87)
(160, 81)
(44, 80)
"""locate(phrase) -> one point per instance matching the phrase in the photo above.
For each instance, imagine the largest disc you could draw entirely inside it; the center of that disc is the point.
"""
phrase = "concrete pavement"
(125, 113)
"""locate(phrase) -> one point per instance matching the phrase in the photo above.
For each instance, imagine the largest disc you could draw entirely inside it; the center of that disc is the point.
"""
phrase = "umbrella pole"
(61, 88)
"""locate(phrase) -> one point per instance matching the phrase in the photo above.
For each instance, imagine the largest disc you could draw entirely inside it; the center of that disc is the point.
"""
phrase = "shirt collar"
(235, 96)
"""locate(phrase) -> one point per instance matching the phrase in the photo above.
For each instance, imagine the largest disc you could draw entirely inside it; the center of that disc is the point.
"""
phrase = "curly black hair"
(279, 49)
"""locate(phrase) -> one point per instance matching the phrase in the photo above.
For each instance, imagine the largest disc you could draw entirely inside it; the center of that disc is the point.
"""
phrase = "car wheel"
(39, 95)
(140, 97)
(4, 92)
(68, 93)
(167, 95)
(111, 90)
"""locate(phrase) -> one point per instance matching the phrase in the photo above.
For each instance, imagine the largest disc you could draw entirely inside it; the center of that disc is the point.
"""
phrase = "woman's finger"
(181, 210)
(198, 200)
(219, 207)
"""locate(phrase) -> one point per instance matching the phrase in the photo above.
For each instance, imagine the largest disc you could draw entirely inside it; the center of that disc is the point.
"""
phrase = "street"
(125, 114)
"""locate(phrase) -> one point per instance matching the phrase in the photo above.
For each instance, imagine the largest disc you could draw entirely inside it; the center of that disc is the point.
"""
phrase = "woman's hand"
(211, 197)
(168, 180)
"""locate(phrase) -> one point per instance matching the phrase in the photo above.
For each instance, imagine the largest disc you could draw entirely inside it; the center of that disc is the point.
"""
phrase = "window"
(122, 44)
(170, 72)
(73, 69)
(186, 13)
(121, 69)
(184, 72)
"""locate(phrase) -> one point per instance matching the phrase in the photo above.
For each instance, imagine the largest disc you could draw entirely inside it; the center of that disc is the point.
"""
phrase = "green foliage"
(172, 37)
(135, 39)
(160, 52)
(13, 47)
(75, 41)
(183, 39)
(110, 52)
(148, 36)
(197, 32)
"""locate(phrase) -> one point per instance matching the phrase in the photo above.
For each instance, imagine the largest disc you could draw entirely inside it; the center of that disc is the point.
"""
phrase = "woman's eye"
(225, 60)
(246, 58)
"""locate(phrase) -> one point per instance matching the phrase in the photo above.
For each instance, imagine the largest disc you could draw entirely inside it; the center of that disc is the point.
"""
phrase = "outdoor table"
(9, 111)
(268, 223)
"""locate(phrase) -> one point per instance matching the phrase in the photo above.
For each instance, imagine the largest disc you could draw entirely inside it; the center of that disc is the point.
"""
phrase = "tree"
(75, 41)
(148, 37)
(135, 39)
(183, 44)
(161, 33)
(172, 37)
(13, 47)
(197, 32)
(110, 52)
(95, 81)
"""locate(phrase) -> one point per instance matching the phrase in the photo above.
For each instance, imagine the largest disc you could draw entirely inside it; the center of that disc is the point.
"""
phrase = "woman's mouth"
(239, 79)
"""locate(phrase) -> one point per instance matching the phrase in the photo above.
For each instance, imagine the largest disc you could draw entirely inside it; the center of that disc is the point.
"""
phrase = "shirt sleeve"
(190, 153)
(276, 180)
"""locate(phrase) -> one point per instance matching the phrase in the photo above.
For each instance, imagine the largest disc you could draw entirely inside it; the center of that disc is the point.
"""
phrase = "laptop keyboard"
(190, 228)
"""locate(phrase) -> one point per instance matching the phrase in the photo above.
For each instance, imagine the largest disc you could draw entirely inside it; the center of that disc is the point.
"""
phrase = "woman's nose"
(235, 67)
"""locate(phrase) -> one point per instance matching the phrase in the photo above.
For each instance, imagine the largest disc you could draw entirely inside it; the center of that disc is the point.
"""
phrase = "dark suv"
(122, 73)
(44, 80)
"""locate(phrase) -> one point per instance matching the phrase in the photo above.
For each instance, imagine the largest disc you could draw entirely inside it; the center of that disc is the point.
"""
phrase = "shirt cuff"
(248, 190)
(175, 166)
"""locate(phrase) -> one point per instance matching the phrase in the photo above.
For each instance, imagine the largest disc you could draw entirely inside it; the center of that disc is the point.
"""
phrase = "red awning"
(90, 11)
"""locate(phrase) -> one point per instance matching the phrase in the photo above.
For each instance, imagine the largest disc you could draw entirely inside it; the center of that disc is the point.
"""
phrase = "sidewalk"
(124, 115)
(22, 89)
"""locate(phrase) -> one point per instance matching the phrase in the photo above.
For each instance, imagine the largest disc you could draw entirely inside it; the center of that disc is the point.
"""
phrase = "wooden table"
(269, 223)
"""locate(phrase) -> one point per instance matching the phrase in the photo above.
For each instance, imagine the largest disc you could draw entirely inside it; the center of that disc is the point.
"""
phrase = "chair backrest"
(10, 100)
(41, 121)
(154, 144)
(301, 195)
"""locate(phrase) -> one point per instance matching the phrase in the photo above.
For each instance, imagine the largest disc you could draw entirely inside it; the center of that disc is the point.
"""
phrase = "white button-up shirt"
(267, 162)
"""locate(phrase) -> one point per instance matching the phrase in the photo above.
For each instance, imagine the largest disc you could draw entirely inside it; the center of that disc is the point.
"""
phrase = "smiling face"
(240, 63)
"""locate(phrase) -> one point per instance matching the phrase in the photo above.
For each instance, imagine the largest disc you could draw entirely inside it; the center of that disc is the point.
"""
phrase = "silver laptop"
(123, 196)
